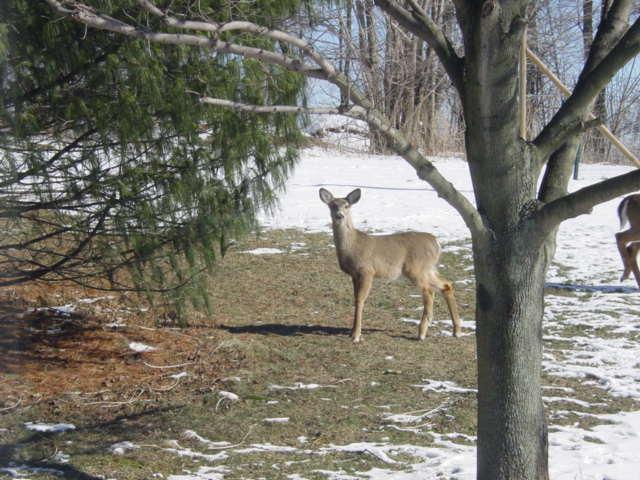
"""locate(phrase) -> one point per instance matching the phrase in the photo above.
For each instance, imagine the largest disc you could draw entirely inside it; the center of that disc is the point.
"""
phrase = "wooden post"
(523, 86)
(576, 161)
(563, 88)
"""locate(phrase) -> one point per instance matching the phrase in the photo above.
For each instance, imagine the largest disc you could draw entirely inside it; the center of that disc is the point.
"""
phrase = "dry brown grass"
(278, 320)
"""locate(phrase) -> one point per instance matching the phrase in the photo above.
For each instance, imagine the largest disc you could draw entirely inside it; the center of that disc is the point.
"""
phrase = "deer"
(365, 257)
(628, 241)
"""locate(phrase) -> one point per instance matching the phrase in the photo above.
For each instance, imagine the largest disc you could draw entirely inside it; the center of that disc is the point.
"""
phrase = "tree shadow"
(572, 287)
(23, 331)
(291, 330)
(39, 336)
(58, 470)
(118, 427)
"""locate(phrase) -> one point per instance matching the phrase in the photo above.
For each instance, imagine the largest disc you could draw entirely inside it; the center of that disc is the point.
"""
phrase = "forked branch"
(566, 121)
(418, 22)
(582, 201)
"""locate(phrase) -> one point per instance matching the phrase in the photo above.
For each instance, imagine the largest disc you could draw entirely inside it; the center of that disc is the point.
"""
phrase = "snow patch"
(139, 347)
(121, 448)
(443, 387)
(49, 427)
(276, 420)
(203, 473)
(228, 395)
(263, 251)
(300, 386)
(20, 471)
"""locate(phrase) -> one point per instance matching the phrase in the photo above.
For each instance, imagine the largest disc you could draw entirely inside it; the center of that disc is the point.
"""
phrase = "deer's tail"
(622, 212)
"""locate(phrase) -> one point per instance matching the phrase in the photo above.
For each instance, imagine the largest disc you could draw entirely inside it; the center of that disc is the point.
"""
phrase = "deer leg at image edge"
(629, 253)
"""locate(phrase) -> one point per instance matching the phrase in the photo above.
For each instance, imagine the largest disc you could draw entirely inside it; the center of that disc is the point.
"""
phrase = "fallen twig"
(5, 409)
(166, 389)
(223, 447)
(115, 404)
(168, 366)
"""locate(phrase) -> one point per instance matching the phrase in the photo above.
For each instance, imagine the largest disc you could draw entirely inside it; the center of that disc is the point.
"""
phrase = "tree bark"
(510, 265)
(512, 431)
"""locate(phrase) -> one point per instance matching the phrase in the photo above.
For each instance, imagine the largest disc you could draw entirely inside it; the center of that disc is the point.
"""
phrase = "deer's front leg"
(361, 288)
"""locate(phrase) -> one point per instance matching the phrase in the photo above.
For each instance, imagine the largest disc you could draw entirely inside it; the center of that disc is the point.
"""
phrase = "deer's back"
(389, 256)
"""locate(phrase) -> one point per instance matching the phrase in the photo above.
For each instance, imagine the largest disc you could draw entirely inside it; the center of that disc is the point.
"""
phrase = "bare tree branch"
(244, 26)
(418, 22)
(87, 16)
(323, 69)
(243, 107)
(557, 172)
(563, 124)
(612, 27)
(582, 201)
(67, 257)
(425, 169)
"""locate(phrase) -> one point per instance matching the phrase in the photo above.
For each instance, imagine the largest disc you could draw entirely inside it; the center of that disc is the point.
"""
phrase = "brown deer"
(364, 257)
(629, 240)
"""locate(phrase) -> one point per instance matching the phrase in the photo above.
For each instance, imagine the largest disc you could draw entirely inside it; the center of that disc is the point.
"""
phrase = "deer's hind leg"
(427, 313)
(445, 287)
(632, 254)
(633, 249)
(628, 247)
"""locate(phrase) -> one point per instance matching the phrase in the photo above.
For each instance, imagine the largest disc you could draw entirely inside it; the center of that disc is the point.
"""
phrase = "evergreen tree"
(111, 169)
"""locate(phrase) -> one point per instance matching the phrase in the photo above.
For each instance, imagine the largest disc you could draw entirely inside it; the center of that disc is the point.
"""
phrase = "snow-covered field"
(395, 199)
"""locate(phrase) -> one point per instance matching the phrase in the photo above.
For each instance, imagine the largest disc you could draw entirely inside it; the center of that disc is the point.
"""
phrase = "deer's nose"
(339, 216)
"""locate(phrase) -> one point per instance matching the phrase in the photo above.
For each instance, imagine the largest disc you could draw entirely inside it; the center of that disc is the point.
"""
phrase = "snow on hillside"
(394, 199)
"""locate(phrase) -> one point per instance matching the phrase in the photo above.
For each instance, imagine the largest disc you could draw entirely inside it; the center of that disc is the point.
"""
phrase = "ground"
(268, 386)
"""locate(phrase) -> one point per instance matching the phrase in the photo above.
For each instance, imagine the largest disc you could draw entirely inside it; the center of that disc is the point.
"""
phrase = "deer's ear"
(325, 196)
(354, 196)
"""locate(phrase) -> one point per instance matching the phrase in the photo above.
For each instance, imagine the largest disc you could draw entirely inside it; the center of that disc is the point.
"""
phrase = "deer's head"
(339, 207)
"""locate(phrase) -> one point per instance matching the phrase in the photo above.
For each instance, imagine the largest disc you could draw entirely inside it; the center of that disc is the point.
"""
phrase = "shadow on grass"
(22, 331)
(120, 427)
(591, 288)
(292, 330)
(56, 469)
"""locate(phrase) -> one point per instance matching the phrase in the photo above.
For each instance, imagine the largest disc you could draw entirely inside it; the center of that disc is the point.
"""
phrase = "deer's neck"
(345, 236)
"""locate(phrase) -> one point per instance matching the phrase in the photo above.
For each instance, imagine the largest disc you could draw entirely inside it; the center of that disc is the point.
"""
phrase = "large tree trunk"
(510, 265)
(512, 433)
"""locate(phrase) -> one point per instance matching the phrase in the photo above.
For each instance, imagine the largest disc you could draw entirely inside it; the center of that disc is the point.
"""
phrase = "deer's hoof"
(422, 338)
(457, 333)
(355, 339)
